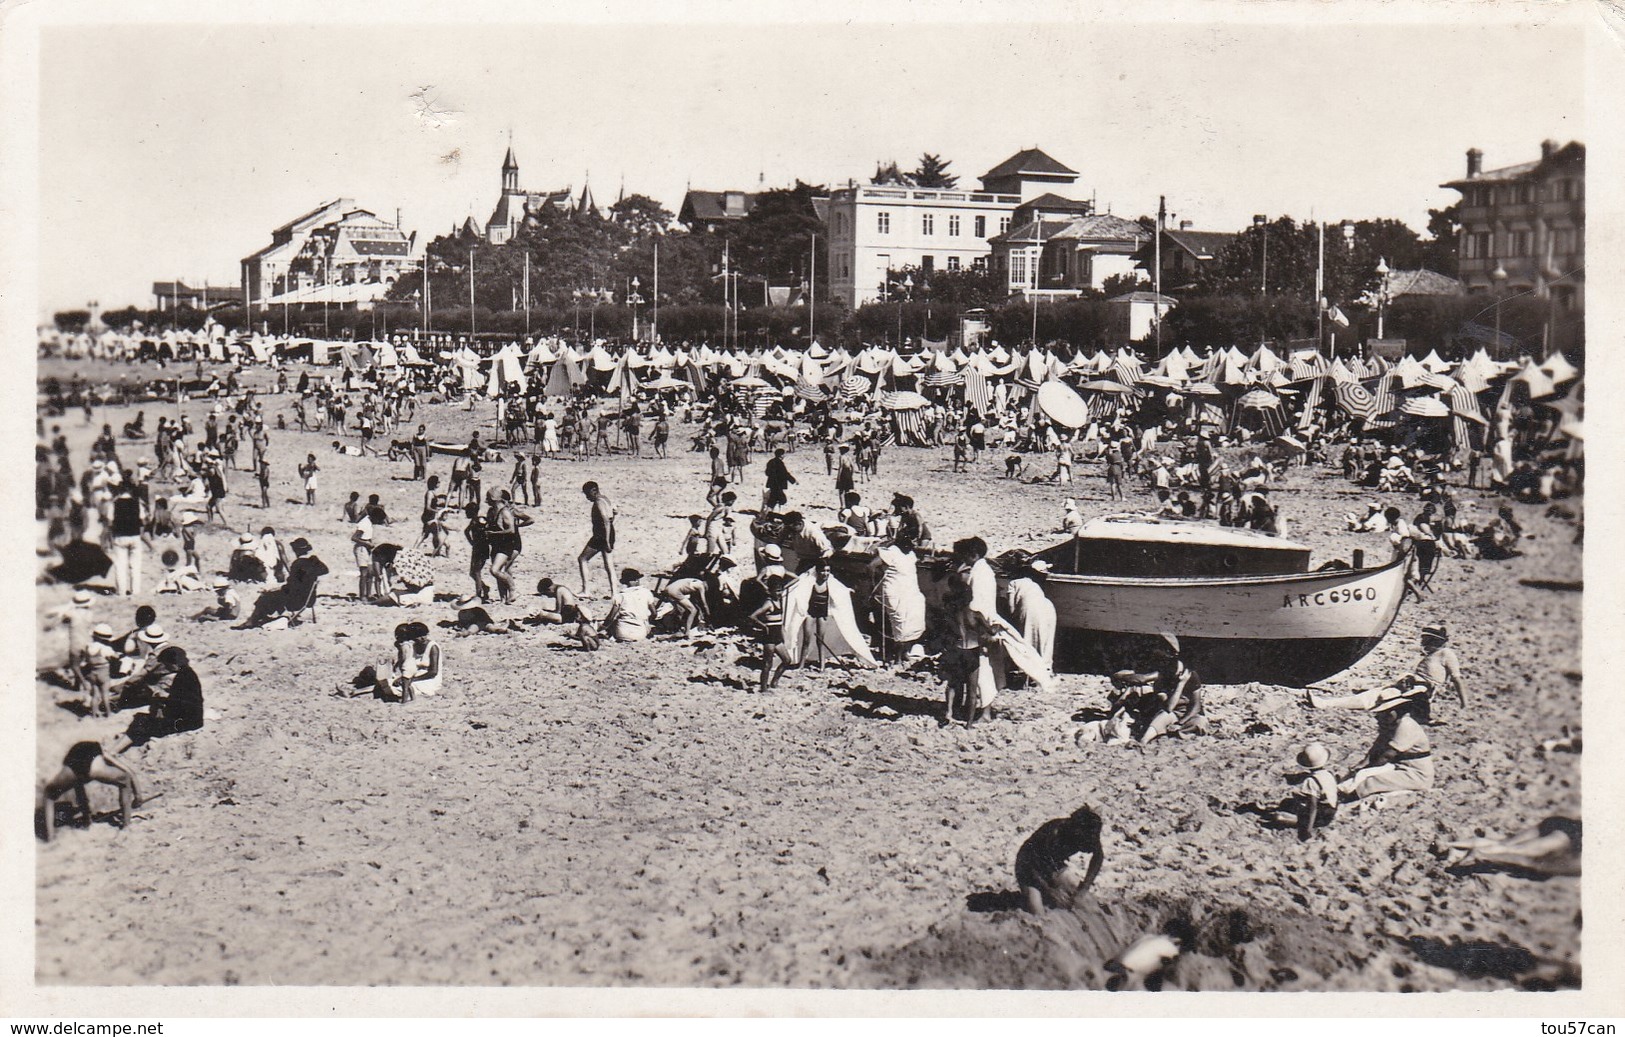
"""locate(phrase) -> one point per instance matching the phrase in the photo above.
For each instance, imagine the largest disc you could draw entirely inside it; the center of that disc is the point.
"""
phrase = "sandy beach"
(639, 816)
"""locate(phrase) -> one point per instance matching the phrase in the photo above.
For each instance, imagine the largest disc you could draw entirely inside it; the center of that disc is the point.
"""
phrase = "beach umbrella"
(1061, 405)
(1103, 385)
(855, 385)
(1424, 407)
(1202, 389)
(1259, 399)
(750, 381)
(666, 381)
(904, 400)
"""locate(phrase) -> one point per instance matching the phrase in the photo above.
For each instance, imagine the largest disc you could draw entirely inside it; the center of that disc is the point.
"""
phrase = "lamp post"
(1382, 291)
(633, 299)
(1499, 277)
(908, 291)
(1262, 223)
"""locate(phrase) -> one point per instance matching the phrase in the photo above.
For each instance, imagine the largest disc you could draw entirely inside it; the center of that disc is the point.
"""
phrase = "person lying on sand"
(1549, 848)
(1050, 866)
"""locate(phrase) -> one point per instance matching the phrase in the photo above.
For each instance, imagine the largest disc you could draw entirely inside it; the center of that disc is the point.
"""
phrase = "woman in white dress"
(550, 435)
(902, 604)
(1032, 611)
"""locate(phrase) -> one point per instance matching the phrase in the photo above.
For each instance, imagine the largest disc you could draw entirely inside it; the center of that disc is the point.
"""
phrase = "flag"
(1337, 317)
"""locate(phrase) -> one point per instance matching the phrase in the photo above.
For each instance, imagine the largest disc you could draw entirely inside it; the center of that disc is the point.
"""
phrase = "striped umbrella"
(1259, 399)
(855, 385)
(1355, 399)
(1425, 407)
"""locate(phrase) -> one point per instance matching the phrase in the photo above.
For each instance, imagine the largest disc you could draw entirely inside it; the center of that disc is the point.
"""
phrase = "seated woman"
(280, 603)
(177, 702)
(415, 669)
(246, 565)
(631, 614)
(401, 577)
(1173, 704)
(1401, 758)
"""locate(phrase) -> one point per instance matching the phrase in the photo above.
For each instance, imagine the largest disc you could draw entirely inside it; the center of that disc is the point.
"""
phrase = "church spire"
(510, 169)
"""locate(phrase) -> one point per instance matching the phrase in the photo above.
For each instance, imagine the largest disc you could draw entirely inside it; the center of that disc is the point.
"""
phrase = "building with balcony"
(875, 229)
(1523, 226)
(335, 253)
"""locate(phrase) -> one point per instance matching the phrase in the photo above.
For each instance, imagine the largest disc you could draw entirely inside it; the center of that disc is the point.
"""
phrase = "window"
(953, 261)
(1520, 242)
(1018, 268)
(979, 264)
(883, 223)
(953, 226)
(1004, 224)
(981, 226)
(928, 263)
(928, 224)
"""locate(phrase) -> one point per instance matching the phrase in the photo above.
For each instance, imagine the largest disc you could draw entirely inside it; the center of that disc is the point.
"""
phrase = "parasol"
(1425, 407)
(1062, 405)
(1104, 385)
(1259, 399)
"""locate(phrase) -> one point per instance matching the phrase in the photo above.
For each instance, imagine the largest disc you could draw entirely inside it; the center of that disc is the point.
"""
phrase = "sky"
(172, 150)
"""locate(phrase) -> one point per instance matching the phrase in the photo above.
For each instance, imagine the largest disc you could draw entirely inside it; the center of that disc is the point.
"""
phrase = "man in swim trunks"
(602, 541)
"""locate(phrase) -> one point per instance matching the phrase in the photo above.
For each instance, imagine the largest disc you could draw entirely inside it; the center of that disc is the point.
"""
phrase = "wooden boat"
(1244, 606)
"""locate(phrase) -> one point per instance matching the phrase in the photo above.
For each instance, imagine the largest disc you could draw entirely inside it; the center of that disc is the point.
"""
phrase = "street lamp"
(633, 299)
(1382, 291)
(1262, 223)
(1499, 276)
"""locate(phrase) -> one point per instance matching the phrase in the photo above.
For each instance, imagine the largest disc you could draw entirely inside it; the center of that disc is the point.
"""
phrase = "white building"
(875, 229)
(336, 252)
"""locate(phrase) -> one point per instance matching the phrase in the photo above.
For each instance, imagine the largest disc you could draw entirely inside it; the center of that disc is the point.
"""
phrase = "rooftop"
(1202, 244)
(1029, 160)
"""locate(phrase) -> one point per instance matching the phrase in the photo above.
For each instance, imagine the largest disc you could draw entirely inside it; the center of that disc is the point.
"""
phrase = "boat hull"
(1290, 629)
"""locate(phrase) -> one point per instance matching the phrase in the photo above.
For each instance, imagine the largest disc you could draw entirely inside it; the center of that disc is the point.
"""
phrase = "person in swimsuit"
(768, 621)
(478, 555)
(502, 524)
(602, 541)
(87, 762)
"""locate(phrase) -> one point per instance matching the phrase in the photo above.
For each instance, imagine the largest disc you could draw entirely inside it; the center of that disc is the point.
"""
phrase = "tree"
(932, 172)
(71, 321)
(641, 215)
(1122, 284)
(889, 173)
(1439, 251)
(774, 242)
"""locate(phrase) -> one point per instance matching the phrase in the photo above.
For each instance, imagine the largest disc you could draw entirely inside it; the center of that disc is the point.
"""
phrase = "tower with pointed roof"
(515, 203)
(510, 173)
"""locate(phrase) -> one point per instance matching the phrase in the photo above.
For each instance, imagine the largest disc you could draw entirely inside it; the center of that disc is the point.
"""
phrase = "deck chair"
(309, 604)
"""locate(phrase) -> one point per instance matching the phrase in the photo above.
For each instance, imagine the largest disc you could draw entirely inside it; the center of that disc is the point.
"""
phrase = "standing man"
(128, 532)
(420, 453)
(602, 541)
(779, 480)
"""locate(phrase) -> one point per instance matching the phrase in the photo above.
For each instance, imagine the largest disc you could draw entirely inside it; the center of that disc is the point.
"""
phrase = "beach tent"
(1558, 369)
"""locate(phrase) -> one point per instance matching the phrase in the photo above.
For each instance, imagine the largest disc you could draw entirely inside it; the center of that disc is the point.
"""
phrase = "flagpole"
(812, 294)
(471, 328)
(1156, 284)
(527, 294)
(1320, 285)
(654, 319)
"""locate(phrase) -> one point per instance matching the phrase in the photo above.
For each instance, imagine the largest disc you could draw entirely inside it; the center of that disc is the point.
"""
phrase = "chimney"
(1547, 147)
(1475, 162)
(1184, 224)
(397, 218)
